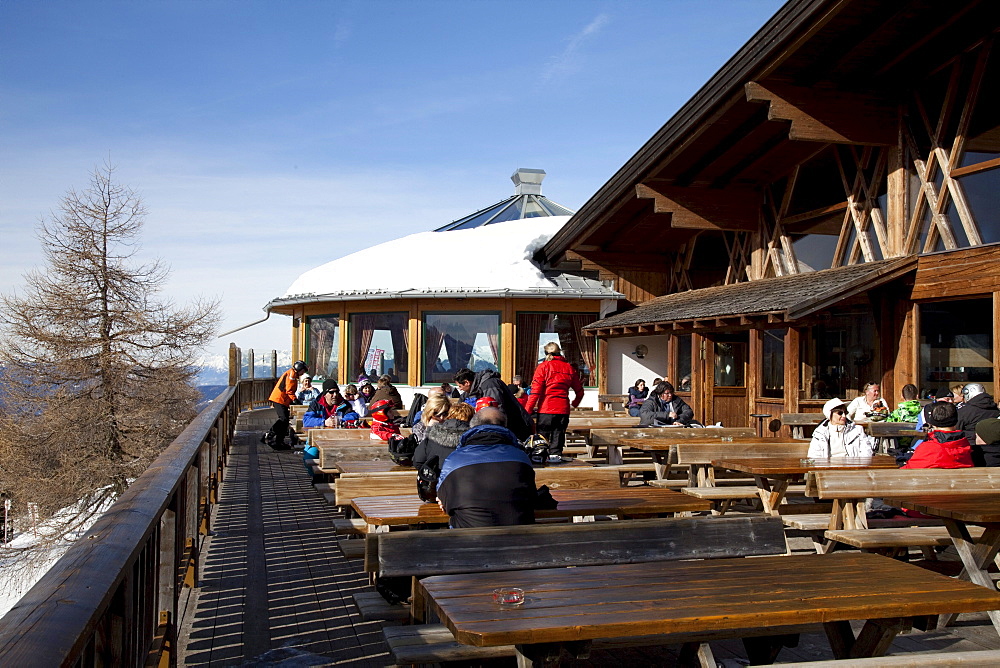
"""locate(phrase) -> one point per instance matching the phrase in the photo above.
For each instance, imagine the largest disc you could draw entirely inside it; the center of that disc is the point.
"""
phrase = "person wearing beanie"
(946, 446)
(986, 449)
(837, 436)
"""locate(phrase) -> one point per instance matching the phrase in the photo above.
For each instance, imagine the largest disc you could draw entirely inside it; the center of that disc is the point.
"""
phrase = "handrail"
(117, 594)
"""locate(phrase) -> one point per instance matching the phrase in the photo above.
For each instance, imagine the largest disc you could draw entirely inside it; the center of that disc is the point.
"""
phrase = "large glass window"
(323, 343)
(683, 380)
(956, 344)
(840, 355)
(454, 341)
(534, 330)
(772, 382)
(378, 345)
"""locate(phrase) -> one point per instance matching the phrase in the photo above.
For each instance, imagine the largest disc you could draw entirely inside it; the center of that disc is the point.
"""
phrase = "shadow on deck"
(276, 591)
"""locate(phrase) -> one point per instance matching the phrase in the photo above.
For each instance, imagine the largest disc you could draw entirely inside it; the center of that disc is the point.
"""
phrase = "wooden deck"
(275, 589)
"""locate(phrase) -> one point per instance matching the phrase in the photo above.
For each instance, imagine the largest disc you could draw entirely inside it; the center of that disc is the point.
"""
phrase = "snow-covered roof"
(497, 263)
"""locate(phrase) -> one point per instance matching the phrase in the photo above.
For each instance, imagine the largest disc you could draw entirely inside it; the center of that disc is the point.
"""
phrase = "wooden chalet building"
(823, 213)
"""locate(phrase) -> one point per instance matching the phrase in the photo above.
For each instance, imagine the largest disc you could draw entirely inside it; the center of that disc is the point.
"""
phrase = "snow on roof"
(489, 258)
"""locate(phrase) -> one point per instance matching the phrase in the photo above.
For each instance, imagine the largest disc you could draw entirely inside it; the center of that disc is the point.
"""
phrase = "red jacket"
(284, 390)
(551, 385)
(942, 450)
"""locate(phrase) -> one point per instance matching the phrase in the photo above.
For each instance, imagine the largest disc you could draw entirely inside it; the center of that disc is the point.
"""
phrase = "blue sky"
(267, 138)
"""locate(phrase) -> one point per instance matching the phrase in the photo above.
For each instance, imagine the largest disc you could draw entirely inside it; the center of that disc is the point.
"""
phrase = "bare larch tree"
(97, 365)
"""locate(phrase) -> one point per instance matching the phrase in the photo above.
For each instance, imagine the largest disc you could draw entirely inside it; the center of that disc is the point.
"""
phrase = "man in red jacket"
(946, 446)
(550, 396)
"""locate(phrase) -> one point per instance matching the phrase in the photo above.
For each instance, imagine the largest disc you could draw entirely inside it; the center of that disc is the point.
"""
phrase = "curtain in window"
(494, 338)
(400, 346)
(585, 344)
(529, 326)
(363, 329)
(433, 338)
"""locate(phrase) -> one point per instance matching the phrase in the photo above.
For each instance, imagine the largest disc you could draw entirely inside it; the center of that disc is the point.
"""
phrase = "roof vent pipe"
(528, 181)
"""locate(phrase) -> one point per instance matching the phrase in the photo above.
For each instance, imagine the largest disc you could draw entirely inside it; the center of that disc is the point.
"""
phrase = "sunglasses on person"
(350, 394)
(839, 411)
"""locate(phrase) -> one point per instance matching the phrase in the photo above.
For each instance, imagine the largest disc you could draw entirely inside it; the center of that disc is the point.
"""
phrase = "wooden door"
(726, 372)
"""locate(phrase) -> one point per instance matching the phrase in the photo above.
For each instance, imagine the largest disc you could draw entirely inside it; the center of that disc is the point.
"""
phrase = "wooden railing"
(116, 596)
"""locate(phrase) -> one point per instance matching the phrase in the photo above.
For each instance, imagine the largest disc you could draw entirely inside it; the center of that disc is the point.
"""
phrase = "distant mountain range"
(213, 372)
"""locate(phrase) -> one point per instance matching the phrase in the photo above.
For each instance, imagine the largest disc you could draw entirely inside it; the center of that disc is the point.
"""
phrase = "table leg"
(771, 496)
(975, 557)
(615, 455)
(661, 464)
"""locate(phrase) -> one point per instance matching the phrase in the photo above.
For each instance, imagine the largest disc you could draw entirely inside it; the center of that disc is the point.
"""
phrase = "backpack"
(427, 480)
(418, 403)
(401, 449)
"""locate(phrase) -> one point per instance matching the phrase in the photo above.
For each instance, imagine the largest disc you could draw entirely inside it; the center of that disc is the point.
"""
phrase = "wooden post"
(414, 344)
(996, 340)
(234, 364)
(792, 374)
(167, 575)
(274, 364)
(602, 366)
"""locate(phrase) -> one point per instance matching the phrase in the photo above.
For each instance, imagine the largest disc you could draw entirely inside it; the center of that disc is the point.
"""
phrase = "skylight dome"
(527, 202)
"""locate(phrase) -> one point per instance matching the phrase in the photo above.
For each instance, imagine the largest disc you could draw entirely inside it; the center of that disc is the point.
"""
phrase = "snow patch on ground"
(18, 575)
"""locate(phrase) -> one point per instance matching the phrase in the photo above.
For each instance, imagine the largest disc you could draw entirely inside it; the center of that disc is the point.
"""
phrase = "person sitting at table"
(385, 420)
(636, 395)
(986, 449)
(308, 393)
(976, 405)
(870, 401)
(946, 446)
(837, 436)
(909, 408)
(488, 480)
(434, 410)
(664, 408)
(440, 440)
(327, 409)
(356, 400)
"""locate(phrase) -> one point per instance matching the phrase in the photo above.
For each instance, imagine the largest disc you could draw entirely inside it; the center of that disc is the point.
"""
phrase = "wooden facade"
(846, 133)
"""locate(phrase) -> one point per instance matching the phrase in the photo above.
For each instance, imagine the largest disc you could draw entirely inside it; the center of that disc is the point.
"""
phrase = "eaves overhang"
(766, 302)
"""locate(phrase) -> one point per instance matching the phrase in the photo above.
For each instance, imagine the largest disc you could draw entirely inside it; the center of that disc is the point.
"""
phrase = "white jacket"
(857, 442)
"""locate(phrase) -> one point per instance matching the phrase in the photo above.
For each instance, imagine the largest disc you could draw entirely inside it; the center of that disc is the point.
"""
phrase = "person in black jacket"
(664, 408)
(488, 480)
(440, 440)
(487, 383)
(977, 405)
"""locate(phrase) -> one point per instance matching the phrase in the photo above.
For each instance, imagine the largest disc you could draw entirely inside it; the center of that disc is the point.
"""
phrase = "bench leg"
(661, 465)
(764, 650)
(695, 653)
(550, 654)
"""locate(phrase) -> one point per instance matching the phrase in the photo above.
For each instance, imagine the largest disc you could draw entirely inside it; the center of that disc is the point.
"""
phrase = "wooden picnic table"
(663, 450)
(735, 598)
(381, 512)
(959, 511)
(774, 474)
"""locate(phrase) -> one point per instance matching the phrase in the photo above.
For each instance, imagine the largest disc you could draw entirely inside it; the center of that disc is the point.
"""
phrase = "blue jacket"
(488, 480)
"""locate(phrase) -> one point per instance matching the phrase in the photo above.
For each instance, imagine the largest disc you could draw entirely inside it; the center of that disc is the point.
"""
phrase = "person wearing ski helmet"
(283, 396)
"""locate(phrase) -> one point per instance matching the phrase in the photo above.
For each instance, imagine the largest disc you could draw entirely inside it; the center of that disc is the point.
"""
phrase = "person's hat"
(485, 402)
(306, 377)
(831, 404)
(330, 384)
(944, 393)
(300, 366)
(947, 415)
(988, 430)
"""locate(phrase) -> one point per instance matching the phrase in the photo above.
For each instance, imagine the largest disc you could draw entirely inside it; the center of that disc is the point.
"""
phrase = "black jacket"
(656, 412)
(487, 383)
(972, 411)
(440, 440)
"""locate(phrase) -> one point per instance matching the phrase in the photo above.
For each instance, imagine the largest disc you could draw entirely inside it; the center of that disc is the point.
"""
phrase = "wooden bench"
(848, 490)
(983, 657)
(799, 421)
(607, 401)
(419, 554)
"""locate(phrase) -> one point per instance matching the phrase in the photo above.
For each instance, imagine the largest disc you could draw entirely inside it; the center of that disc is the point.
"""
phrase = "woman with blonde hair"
(434, 410)
(442, 433)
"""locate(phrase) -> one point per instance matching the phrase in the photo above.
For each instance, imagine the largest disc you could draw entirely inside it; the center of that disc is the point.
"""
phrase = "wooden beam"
(703, 208)
(611, 260)
(837, 117)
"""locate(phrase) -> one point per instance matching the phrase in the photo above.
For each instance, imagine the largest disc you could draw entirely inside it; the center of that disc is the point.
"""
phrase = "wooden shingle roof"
(780, 299)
